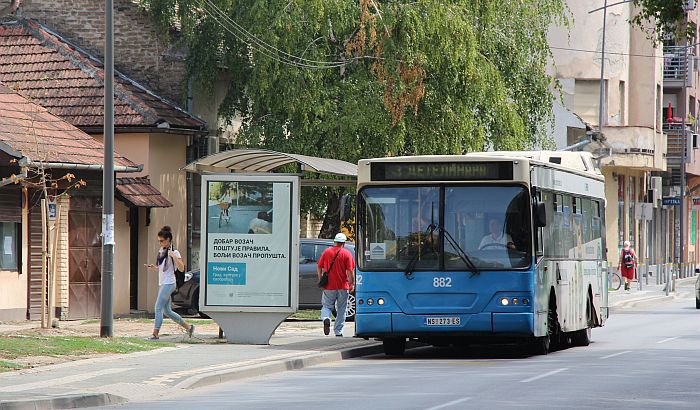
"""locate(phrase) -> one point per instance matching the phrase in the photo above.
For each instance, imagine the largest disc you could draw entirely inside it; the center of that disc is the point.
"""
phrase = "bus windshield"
(402, 225)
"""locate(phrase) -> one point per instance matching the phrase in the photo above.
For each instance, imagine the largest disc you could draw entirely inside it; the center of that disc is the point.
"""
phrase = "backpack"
(628, 259)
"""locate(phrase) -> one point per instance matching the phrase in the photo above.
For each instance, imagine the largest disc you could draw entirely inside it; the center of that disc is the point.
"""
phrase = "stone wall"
(138, 53)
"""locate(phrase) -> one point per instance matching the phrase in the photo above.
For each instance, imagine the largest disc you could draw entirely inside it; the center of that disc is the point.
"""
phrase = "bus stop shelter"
(250, 160)
(250, 277)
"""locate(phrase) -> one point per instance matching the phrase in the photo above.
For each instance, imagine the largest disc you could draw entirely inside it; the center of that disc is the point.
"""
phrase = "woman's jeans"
(163, 306)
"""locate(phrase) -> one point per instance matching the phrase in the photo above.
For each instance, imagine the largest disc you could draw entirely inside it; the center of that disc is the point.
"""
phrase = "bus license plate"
(442, 321)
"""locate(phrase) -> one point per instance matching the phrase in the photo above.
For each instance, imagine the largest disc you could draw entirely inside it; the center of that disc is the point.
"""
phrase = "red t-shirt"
(338, 276)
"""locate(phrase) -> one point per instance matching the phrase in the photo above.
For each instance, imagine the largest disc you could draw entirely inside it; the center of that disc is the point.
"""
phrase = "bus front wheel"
(394, 346)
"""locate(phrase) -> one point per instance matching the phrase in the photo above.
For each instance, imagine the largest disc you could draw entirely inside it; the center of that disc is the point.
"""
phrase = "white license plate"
(442, 321)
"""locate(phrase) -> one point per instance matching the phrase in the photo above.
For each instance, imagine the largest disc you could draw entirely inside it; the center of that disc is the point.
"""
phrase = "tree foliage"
(664, 18)
(419, 77)
(408, 77)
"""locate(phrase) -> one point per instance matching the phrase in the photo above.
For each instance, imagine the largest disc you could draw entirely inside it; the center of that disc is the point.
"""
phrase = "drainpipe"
(30, 163)
(190, 182)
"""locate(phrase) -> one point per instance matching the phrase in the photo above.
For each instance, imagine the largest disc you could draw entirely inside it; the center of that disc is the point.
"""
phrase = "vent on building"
(695, 141)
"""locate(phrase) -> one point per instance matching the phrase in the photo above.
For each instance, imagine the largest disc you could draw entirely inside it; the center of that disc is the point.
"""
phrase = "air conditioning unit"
(689, 5)
(212, 145)
(694, 141)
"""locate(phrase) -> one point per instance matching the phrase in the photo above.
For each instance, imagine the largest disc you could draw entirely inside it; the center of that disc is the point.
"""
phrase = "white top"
(502, 239)
(225, 198)
(166, 271)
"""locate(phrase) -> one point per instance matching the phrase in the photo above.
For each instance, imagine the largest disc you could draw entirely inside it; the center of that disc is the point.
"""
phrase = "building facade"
(634, 150)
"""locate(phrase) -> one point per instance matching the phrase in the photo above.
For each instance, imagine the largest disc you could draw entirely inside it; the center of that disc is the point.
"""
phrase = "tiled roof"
(69, 82)
(139, 192)
(41, 136)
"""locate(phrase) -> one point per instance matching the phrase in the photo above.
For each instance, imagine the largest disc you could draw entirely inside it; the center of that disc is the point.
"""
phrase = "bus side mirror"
(540, 215)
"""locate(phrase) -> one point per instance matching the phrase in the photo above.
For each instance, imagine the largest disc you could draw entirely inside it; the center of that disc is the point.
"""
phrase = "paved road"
(645, 358)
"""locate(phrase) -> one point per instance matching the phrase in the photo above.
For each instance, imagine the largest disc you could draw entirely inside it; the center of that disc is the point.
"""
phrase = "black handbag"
(323, 282)
(179, 275)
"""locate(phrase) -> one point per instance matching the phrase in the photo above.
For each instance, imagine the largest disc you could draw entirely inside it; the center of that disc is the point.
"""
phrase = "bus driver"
(497, 238)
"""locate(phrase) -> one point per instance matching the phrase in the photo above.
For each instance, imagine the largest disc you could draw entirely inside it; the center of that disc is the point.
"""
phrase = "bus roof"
(572, 161)
(567, 160)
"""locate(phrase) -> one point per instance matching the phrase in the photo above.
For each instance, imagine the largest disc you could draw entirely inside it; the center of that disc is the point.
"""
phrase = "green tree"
(369, 78)
(660, 18)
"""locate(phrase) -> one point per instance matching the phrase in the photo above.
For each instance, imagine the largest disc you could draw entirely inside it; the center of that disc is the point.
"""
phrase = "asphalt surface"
(646, 357)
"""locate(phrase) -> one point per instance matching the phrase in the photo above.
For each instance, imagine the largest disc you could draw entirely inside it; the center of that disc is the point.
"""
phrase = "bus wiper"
(414, 260)
(460, 252)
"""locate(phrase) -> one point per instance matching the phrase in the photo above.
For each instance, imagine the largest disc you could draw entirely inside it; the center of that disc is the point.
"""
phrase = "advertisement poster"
(248, 243)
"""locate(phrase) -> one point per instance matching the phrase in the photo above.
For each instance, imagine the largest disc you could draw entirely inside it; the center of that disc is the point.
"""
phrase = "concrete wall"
(139, 53)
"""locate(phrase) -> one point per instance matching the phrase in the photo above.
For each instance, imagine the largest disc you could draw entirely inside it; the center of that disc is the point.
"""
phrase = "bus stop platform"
(191, 363)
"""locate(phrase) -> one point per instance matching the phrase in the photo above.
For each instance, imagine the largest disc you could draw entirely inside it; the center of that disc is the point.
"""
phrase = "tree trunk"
(331, 220)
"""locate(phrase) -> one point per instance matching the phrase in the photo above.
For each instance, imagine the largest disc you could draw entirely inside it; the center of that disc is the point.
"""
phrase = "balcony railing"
(678, 64)
(675, 143)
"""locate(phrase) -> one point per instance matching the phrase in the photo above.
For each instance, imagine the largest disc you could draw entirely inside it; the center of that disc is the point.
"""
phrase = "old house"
(149, 129)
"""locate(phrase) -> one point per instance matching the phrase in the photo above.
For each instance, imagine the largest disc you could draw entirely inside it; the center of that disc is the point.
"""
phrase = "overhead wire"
(259, 45)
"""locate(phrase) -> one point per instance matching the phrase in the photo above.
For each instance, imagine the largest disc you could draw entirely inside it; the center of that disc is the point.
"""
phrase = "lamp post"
(106, 309)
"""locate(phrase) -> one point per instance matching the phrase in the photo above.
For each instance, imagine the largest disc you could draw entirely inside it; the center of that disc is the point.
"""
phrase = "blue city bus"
(485, 247)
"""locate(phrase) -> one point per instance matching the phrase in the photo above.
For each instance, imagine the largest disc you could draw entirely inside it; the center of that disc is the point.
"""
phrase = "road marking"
(64, 380)
(450, 403)
(553, 372)
(668, 339)
(616, 354)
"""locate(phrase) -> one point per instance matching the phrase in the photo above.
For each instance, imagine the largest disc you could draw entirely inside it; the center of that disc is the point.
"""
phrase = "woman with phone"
(168, 260)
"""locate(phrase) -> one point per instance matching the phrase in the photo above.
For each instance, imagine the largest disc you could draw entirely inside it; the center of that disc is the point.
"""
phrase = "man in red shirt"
(340, 265)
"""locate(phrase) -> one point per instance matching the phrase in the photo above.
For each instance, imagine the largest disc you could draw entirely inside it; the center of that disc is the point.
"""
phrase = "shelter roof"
(262, 160)
(139, 192)
(69, 82)
(29, 130)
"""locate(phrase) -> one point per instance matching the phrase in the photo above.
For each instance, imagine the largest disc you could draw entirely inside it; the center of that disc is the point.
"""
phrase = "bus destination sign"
(442, 171)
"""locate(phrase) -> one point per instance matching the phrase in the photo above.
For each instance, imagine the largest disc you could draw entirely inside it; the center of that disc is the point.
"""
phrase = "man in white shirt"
(496, 239)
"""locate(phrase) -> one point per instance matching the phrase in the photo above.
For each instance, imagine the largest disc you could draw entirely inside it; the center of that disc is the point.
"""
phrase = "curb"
(64, 402)
(262, 369)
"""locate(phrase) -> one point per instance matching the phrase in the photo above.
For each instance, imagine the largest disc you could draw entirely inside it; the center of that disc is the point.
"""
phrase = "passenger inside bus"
(497, 237)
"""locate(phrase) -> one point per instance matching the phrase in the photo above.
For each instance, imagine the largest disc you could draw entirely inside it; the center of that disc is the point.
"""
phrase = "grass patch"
(307, 314)
(14, 346)
(7, 366)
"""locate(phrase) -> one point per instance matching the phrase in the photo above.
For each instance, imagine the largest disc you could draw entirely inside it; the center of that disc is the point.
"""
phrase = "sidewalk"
(624, 299)
(194, 363)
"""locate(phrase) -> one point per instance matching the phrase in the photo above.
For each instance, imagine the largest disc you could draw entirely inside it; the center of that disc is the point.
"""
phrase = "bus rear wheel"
(583, 337)
(394, 346)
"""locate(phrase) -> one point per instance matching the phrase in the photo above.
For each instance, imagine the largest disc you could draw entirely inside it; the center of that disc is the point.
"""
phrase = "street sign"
(671, 200)
(696, 201)
(51, 207)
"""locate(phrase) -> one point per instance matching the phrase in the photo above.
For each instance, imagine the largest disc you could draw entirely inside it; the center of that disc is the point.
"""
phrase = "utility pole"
(601, 113)
(106, 313)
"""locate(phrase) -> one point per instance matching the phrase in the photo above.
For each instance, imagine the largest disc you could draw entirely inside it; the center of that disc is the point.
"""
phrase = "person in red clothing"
(628, 260)
(340, 265)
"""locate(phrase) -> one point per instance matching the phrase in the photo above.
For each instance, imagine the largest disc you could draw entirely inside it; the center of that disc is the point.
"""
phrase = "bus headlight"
(380, 301)
(505, 301)
(370, 302)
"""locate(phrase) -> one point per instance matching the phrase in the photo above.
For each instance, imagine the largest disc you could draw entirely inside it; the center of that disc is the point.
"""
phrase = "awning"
(139, 192)
(262, 160)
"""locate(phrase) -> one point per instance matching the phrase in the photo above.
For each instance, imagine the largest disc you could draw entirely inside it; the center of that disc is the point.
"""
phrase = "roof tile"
(139, 192)
(69, 82)
(42, 136)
